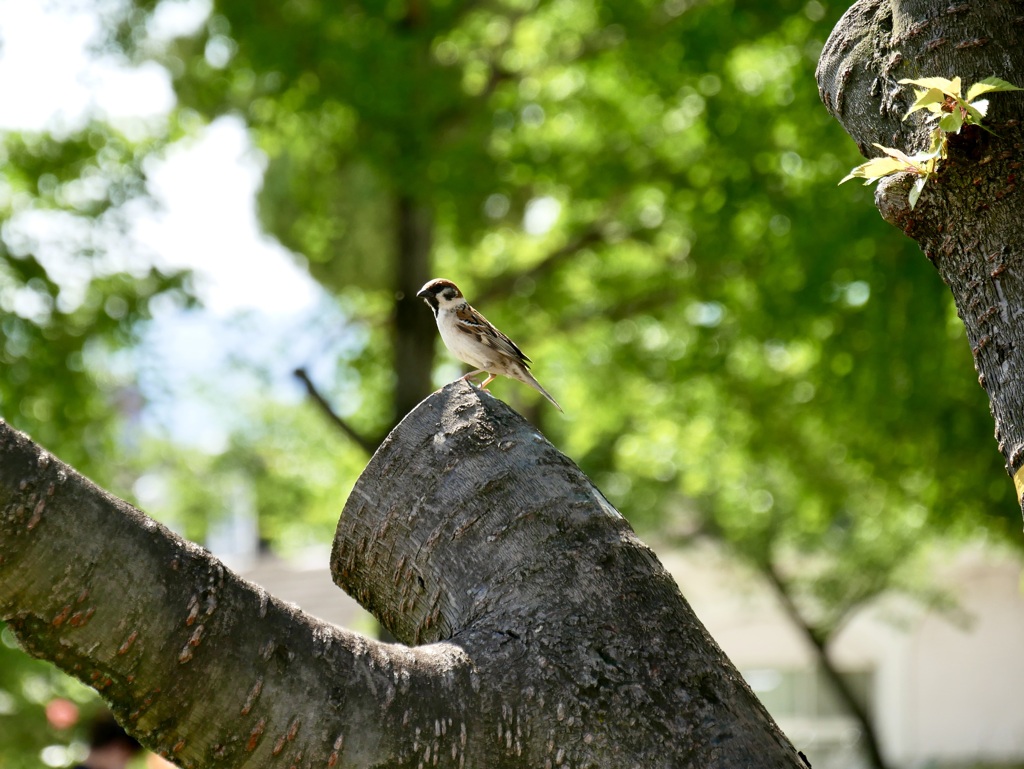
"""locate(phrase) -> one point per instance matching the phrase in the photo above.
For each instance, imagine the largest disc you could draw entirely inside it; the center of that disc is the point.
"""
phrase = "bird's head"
(440, 293)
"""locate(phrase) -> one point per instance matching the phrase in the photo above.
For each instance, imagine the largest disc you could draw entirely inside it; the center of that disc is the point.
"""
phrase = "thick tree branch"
(468, 525)
(553, 637)
(204, 667)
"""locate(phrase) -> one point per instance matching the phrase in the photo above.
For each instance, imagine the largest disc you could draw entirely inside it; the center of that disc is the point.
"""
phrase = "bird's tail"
(532, 381)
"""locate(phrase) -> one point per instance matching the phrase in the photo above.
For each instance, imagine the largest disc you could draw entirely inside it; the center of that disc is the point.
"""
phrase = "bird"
(471, 338)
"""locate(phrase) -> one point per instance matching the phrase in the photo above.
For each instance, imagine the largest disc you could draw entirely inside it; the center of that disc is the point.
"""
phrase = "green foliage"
(281, 467)
(641, 193)
(66, 295)
(921, 164)
(27, 687)
(729, 336)
(942, 98)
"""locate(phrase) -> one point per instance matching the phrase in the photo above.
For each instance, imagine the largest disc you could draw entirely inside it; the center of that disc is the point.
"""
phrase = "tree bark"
(468, 525)
(203, 667)
(550, 636)
(967, 220)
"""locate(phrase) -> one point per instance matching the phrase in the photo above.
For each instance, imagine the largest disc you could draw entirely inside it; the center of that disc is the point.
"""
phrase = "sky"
(48, 77)
(205, 220)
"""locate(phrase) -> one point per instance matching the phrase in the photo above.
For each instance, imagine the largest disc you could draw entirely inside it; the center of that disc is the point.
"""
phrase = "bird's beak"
(423, 294)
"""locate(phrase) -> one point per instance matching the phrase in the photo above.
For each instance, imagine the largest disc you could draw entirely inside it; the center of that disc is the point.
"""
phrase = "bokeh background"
(200, 197)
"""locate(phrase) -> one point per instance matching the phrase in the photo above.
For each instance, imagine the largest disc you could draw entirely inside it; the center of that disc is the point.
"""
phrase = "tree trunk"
(467, 525)
(968, 218)
(552, 636)
(414, 333)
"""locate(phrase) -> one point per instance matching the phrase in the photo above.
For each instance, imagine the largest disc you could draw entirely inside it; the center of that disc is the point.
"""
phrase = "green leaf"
(990, 85)
(893, 153)
(912, 163)
(937, 145)
(951, 122)
(951, 87)
(930, 98)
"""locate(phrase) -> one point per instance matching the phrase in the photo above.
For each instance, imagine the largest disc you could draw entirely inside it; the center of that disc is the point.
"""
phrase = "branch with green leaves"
(943, 99)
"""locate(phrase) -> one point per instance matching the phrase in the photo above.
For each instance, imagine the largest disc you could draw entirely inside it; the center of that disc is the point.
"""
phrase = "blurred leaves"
(71, 289)
(41, 709)
(640, 193)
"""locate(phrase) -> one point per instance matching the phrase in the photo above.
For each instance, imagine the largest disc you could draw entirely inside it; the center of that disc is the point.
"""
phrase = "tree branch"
(468, 525)
(819, 645)
(203, 667)
(553, 635)
(366, 444)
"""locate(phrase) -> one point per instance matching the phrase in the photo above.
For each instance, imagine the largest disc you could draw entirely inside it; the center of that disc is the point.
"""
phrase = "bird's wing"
(471, 320)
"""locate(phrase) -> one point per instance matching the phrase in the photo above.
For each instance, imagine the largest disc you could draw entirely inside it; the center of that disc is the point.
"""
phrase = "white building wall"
(967, 679)
(945, 691)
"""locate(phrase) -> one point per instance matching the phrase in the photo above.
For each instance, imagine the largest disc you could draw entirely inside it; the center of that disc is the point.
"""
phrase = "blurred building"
(943, 688)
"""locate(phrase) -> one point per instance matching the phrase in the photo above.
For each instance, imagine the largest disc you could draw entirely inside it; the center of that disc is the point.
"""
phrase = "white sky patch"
(263, 313)
(206, 186)
(208, 223)
(49, 77)
(541, 215)
(178, 18)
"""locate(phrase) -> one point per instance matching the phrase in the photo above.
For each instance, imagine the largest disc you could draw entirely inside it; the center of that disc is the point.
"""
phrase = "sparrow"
(471, 338)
